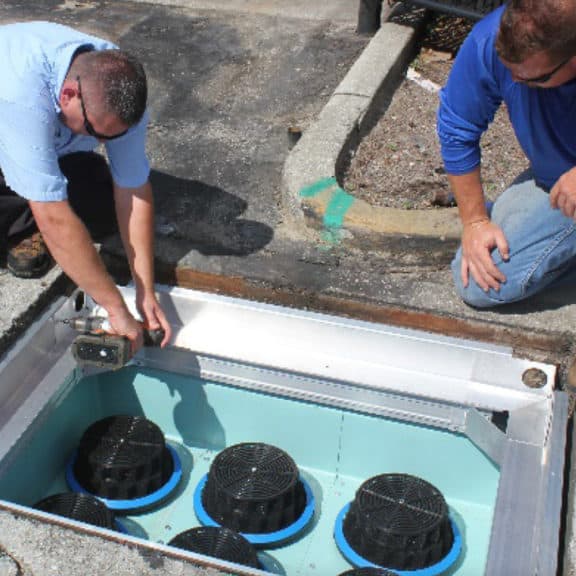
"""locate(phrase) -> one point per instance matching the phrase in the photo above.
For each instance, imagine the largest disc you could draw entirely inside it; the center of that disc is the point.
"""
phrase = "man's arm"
(135, 213)
(468, 103)
(480, 236)
(71, 246)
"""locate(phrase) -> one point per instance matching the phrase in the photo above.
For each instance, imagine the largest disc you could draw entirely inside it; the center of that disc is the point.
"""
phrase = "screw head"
(534, 378)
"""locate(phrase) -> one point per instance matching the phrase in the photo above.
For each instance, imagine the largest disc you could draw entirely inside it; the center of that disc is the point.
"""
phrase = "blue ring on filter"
(357, 561)
(136, 503)
(269, 538)
(269, 564)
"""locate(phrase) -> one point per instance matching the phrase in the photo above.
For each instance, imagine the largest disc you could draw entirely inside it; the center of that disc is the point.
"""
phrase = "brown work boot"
(28, 257)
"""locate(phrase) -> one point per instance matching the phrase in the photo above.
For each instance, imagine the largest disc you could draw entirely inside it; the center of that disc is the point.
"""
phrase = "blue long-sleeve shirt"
(544, 119)
(34, 60)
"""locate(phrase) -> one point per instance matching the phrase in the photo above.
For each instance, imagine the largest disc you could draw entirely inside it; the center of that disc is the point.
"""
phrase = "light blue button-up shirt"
(34, 60)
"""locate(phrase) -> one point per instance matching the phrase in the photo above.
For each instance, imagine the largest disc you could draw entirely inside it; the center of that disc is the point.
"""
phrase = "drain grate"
(81, 507)
(400, 522)
(123, 457)
(221, 543)
(254, 488)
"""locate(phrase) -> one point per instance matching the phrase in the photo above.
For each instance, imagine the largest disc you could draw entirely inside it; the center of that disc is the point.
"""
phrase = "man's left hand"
(563, 194)
(154, 316)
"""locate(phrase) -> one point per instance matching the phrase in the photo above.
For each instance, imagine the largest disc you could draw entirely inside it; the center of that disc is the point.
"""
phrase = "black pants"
(90, 193)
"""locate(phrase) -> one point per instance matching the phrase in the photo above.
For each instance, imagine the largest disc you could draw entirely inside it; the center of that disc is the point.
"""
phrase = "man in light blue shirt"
(523, 54)
(62, 93)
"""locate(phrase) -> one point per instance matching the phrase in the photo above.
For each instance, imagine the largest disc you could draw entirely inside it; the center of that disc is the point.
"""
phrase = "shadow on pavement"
(198, 216)
(552, 298)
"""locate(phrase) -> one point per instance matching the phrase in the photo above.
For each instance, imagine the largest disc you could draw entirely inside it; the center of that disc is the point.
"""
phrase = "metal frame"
(398, 373)
(473, 9)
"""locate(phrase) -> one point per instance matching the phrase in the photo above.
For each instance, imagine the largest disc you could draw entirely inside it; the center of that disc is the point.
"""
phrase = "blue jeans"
(542, 244)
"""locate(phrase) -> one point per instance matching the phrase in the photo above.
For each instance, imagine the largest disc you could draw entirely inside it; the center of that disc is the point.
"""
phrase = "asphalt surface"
(237, 209)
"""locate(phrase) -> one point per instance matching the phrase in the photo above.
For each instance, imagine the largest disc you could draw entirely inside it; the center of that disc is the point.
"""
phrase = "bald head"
(532, 26)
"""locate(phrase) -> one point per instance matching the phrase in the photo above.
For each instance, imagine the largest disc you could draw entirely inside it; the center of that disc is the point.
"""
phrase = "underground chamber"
(305, 411)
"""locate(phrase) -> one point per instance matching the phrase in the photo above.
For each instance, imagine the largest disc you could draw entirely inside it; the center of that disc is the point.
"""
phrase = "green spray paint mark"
(329, 238)
(339, 203)
(317, 187)
(337, 208)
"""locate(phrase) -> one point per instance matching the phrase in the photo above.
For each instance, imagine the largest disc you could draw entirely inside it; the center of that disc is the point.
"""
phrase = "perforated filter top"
(123, 457)
(218, 542)
(400, 522)
(254, 488)
(81, 507)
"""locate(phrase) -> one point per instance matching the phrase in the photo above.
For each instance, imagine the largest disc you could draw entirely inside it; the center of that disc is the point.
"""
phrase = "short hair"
(531, 26)
(120, 80)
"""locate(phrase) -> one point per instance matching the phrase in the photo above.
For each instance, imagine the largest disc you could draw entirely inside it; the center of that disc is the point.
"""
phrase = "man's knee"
(474, 296)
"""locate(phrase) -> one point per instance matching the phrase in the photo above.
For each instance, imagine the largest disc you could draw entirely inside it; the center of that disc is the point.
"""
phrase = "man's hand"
(479, 239)
(563, 194)
(153, 315)
(124, 324)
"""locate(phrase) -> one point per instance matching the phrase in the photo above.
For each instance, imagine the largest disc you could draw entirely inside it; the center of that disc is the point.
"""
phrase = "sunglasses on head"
(88, 125)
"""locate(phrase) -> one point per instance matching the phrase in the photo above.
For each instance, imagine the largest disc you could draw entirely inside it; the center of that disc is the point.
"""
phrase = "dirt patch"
(398, 164)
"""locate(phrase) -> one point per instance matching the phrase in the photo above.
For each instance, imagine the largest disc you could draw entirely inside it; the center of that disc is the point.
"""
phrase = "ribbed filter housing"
(123, 458)
(254, 488)
(400, 522)
(218, 542)
(81, 507)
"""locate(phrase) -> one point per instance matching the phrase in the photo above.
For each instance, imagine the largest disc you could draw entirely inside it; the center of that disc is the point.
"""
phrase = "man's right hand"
(124, 324)
(479, 239)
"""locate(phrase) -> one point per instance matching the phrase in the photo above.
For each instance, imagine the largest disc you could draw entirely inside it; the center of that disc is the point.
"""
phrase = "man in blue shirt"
(62, 93)
(523, 54)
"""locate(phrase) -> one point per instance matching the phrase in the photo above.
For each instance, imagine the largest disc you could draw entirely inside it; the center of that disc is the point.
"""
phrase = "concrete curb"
(310, 177)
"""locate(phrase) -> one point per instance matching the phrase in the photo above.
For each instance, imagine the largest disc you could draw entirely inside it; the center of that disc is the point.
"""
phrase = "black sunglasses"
(545, 77)
(87, 124)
